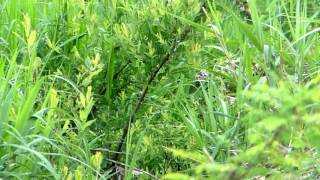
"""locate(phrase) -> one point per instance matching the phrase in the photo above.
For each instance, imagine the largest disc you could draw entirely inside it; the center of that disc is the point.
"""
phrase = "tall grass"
(224, 89)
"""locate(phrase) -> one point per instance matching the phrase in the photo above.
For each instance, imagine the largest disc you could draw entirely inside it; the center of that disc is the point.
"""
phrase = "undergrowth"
(146, 89)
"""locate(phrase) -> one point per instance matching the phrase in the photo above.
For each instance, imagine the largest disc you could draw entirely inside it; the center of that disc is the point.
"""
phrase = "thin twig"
(116, 76)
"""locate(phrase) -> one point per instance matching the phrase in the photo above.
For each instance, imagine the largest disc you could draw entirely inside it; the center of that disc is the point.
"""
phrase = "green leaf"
(176, 176)
(27, 106)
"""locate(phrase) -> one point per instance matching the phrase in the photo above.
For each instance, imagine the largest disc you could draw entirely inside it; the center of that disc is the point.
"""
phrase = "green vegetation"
(171, 89)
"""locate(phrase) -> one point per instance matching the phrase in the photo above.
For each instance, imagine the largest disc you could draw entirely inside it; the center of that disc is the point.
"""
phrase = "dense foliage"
(172, 89)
